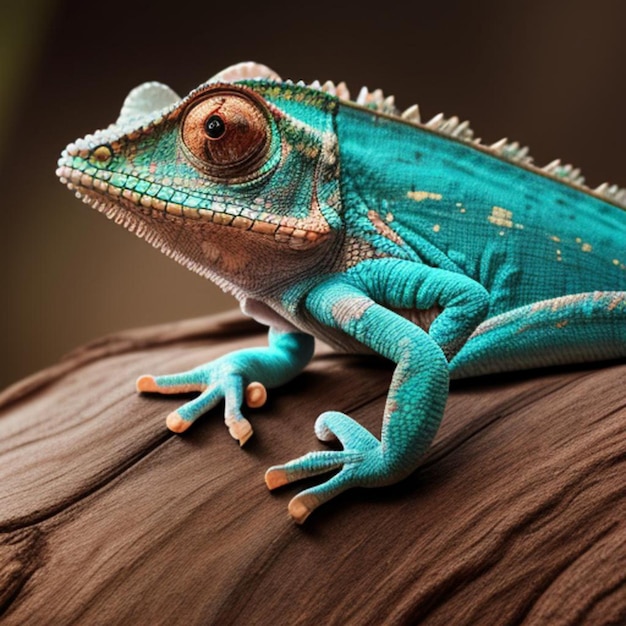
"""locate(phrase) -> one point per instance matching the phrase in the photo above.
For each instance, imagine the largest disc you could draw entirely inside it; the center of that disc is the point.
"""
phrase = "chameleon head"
(217, 177)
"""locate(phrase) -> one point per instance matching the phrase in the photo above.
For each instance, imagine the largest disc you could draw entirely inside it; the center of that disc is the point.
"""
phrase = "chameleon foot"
(237, 377)
(229, 386)
(360, 463)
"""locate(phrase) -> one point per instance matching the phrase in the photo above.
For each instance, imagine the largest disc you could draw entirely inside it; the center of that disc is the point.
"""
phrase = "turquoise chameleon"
(360, 225)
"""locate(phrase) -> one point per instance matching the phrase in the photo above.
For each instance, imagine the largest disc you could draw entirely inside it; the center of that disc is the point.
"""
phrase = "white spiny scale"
(499, 145)
(516, 153)
(343, 91)
(550, 167)
(376, 96)
(412, 114)
(461, 129)
(316, 85)
(522, 152)
(329, 87)
(570, 173)
(388, 105)
(301, 83)
(436, 121)
(601, 189)
(448, 125)
(362, 97)
(371, 99)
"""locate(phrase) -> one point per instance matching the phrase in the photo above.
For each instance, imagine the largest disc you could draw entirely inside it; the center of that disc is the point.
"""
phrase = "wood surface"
(517, 514)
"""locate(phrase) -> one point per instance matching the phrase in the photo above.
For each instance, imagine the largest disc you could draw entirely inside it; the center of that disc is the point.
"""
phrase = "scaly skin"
(368, 229)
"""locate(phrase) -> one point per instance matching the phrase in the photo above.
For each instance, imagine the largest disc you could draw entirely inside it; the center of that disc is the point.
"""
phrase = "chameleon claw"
(299, 510)
(256, 395)
(276, 477)
(176, 423)
(146, 383)
(239, 429)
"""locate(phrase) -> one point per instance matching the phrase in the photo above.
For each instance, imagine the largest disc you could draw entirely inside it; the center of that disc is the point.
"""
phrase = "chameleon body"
(369, 229)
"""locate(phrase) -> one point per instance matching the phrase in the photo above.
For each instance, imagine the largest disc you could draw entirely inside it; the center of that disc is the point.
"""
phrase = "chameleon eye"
(226, 133)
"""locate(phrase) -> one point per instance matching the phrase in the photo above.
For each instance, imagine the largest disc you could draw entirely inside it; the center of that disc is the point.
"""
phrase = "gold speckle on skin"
(501, 217)
(463, 210)
(418, 196)
(555, 239)
(436, 228)
(389, 217)
(383, 229)
(586, 247)
(615, 261)
(561, 324)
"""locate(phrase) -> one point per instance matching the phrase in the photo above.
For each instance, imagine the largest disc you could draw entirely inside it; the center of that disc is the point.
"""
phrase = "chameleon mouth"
(127, 199)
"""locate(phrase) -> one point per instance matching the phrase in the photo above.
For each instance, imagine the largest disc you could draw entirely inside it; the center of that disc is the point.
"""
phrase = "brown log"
(517, 514)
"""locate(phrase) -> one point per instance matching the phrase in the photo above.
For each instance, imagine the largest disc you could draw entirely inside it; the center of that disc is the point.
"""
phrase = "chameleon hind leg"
(356, 303)
(233, 377)
(570, 329)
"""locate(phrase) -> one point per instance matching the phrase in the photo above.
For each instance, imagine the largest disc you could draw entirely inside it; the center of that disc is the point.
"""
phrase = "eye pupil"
(214, 127)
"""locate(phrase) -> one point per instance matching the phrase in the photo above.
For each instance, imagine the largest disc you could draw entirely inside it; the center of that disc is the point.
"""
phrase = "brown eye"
(227, 132)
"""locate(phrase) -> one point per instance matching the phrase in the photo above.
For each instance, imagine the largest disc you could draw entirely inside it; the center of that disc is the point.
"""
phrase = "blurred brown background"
(550, 74)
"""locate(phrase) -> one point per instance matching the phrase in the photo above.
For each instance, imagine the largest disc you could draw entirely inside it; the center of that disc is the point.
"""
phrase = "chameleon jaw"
(101, 192)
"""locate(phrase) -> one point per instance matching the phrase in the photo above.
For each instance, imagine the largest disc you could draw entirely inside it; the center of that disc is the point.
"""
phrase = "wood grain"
(517, 514)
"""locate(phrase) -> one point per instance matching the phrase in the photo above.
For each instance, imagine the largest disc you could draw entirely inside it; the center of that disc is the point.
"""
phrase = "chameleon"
(352, 222)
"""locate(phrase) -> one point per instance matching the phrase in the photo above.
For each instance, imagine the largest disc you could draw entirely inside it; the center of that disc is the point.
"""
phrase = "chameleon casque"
(364, 227)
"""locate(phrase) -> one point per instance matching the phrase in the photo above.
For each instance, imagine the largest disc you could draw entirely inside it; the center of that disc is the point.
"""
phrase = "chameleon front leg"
(356, 303)
(230, 377)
